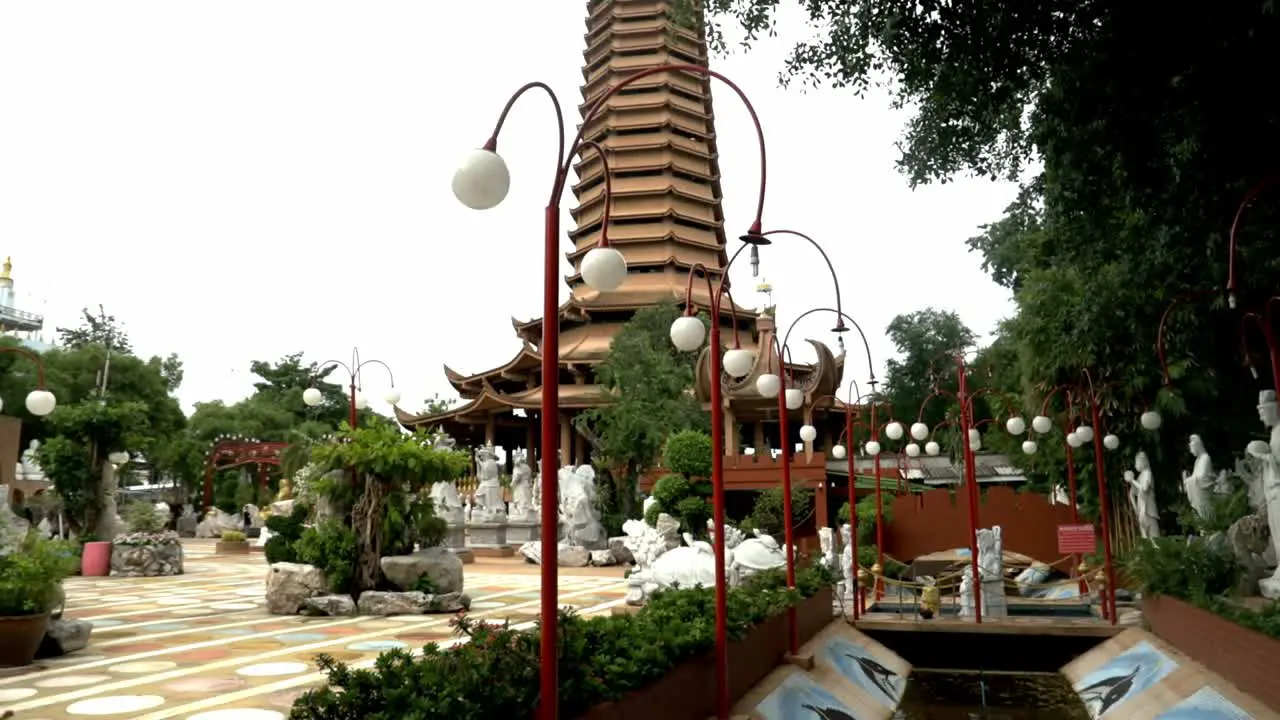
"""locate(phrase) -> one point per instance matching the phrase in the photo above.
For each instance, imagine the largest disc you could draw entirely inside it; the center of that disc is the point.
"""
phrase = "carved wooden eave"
(490, 401)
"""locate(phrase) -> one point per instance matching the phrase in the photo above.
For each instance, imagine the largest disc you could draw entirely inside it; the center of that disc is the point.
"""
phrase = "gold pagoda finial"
(8, 268)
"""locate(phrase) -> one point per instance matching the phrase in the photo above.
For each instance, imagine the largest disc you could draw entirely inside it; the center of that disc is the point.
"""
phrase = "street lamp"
(481, 183)
(312, 396)
(40, 402)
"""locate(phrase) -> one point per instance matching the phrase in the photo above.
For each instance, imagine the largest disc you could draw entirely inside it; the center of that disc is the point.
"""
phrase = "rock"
(330, 605)
(289, 585)
(374, 602)
(59, 602)
(146, 560)
(621, 554)
(566, 555)
(446, 603)
(603, 558)
(437, 563)
(63, 637)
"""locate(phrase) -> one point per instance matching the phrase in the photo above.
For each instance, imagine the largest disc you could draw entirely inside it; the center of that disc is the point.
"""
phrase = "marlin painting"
(1108, 692)
(880, 676)
(829, 713)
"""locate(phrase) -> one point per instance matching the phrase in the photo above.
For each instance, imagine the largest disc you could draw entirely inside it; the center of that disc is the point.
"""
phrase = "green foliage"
(286, 530)
(142, 517)
(102, 330)
(1224, 510)
(331, 547)
(30, 576)
(232, 536)
(766, 515)
(926, 342)
(688, 452)
(682, 499)
(392, 456)
(867, 516)
(1182, 567)
(601, 658)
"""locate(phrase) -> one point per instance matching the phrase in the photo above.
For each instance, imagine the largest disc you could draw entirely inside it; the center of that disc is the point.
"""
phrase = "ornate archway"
(229, 452)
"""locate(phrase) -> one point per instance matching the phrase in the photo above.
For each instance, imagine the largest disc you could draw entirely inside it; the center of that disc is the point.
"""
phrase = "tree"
(101, 329)
(651, 382)
(436, 404)
(926, 342)
(75, 457)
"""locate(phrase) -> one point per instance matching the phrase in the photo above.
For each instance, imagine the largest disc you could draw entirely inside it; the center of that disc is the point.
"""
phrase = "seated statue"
(29, 468)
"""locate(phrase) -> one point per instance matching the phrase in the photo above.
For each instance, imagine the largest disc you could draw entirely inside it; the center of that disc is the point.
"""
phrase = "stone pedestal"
(489, 539)
(455, 536)
(519, 533)
(464, 554)
(994, 602)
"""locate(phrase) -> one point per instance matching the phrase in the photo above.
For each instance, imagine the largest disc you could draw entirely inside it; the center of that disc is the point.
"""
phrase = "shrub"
(601, 658)
(232, 536)
(143, 517)
(331, 547)
(30, 574)
(766, 514)
(688, 452)
(1182, 567)
(684, 500)
(285, 532)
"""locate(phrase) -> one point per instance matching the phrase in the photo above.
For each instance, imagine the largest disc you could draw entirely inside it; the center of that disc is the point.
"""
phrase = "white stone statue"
(991, 553)
(846, 559)
(255, 515)
(536, 495)
(646, 544)
(1268, 456)
(215, 522)
(522, 508)
(489, 505)
(1060, 495)
(29, 468)
(733, 535)
(691, 565)
(446, 503)
(1200, 483)
(648, 502)
(1142, 496)
(754, 555)
(579, 517)
(966, 592)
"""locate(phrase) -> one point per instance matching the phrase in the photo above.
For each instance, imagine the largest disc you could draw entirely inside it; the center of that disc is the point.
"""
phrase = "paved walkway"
(201, 646)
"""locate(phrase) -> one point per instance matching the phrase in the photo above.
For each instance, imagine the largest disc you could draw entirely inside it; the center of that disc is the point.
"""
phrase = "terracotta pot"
(20, 638)
(231, 548)
(95, 559)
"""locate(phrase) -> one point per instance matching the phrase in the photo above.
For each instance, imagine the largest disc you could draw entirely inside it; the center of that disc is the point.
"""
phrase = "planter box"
(688, 691)
(146, 560)
(1246, 658)
(231, 548)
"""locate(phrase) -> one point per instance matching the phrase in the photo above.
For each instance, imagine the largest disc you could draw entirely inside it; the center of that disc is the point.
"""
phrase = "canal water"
(950, 695)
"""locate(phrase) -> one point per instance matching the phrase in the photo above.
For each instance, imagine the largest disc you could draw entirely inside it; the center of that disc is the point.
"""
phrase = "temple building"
(16, 322)
(666, 218)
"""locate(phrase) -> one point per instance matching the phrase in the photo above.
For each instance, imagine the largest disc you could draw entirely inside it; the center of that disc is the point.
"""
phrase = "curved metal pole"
(1103, 500)
(33, 357)
(854, 595)
(1264, 323)
(1160, 330)
(971, 479)
(1235, 229)
(784, 440)
(840, 316)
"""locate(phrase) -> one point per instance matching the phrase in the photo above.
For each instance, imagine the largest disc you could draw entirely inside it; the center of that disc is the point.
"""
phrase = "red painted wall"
(931, 521)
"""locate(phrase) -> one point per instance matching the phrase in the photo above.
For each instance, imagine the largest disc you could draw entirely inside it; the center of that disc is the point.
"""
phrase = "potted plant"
(31, 574)
(233, 542)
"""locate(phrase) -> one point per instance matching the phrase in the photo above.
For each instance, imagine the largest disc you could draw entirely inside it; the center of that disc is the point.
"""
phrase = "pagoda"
(666, 218)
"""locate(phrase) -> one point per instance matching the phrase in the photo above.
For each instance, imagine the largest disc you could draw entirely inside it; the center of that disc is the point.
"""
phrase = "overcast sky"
(243, 179)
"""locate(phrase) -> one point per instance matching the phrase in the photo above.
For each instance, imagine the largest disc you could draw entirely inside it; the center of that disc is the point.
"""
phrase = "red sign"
(1077, 539)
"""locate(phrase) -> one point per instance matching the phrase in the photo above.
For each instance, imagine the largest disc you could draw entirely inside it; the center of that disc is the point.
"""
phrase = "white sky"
(242, 179)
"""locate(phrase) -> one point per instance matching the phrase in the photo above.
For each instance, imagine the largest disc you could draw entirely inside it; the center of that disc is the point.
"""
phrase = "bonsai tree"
(683, 494)
(392, 511)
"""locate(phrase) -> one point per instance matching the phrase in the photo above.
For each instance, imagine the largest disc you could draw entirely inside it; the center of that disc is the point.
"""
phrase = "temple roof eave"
(491, 401)
(526, 358)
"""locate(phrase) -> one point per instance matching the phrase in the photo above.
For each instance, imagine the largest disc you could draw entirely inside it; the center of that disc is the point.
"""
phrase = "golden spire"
(8, 268)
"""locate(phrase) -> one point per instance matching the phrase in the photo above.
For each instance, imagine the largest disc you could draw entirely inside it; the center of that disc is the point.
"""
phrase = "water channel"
(965, 695)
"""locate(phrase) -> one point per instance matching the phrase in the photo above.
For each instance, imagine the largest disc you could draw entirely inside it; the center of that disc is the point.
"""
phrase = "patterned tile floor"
(201, 646)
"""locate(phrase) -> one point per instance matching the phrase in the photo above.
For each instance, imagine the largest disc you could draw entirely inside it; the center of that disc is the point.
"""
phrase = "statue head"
(519, 457)
(485, 453)
(1141, 462)
(1267, 408)
(1196, 445)
(34, 445)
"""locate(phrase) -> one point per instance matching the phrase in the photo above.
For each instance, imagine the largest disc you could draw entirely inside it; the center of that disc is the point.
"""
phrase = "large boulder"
(331, 605)
(566, 555)
(374, 602)
(618, 546)
(443, 568)
(290, 585)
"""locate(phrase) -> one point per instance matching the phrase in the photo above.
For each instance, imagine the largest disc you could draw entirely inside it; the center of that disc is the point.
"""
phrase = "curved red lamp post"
(39, 402)
(482, 183)
(873, 428)
(1265, 323)
(313, 397)
(1232, 244)
(853, 392)
(1072, 491)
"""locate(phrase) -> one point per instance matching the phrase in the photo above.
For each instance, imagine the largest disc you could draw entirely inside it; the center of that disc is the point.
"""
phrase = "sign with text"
(1077, 539)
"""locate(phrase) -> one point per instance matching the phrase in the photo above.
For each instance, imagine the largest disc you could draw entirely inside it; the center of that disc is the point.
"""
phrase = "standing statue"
(446, 503)
(522, 508)
(1200, 482)
(489, 505)
(991, 553)
(1268, 455)
(1142, 496)
(578, 513)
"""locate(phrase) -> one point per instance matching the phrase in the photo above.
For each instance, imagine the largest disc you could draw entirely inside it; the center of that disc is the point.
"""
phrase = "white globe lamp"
(872, 447)
(118, 458)
(932, 448)
(1041, 424)
(687, 333)
(1074, 440)
(808, 433)
(1085, 433)
(1015, 425)
(1110, 442)
(1, 403)
(913, 450)
(362, 402)
(919, 431)
(481, 180)
(41, 402)
(603, 269)
(392, 397)
(894, 430)
(795, 398)
(738, 362)
(768, 385)
(1151, 420)
(1029, 447)
(312, 397)
(975, 437)
(838, 452)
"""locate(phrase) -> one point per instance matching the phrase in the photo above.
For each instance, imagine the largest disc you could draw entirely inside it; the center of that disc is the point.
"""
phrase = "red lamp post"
(40, 402)
(1070, 443)
(313, 397)
(872, 447)
(482, 183)
(838, 451)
